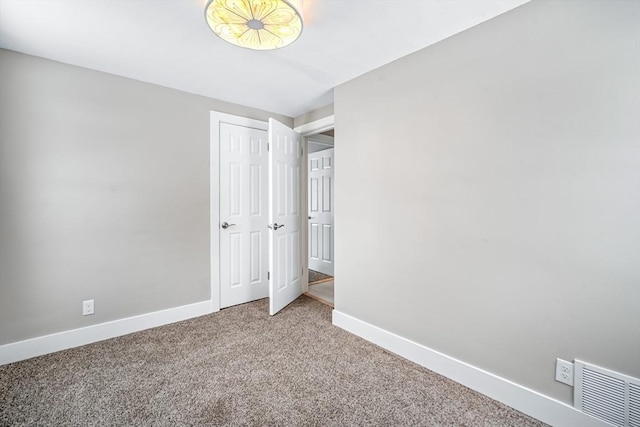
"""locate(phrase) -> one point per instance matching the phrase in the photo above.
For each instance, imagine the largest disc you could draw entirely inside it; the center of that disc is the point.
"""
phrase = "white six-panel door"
(243, 214)
(285, 216)
(321, 211)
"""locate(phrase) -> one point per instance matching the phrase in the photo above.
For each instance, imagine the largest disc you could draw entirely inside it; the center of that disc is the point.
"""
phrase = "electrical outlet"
(87, 307)
(564, 372)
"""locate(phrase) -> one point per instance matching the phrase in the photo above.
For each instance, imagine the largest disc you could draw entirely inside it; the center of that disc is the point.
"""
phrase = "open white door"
(321, 211)
(285, 283)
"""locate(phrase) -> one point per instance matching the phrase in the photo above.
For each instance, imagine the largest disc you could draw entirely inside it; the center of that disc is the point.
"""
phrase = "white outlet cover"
(564, 372)
(87, 307)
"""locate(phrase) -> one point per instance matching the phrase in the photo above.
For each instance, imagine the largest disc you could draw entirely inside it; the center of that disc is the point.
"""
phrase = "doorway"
(256, 212)
(320, 205)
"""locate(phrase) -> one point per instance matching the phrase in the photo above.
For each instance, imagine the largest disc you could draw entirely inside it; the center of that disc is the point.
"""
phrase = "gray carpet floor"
(240, 367)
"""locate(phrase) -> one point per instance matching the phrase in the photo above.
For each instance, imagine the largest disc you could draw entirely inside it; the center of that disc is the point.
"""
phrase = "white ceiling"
(169, 43)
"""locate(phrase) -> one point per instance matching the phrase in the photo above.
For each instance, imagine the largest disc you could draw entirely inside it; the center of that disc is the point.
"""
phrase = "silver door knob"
(275, 226)
(226, 225)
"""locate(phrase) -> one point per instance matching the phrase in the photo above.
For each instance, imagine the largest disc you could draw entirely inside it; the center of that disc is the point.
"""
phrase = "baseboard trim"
(532, 403)
(39, 346)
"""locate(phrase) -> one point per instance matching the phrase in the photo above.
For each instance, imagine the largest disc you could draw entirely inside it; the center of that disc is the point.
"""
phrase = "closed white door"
(285, 284)
(321, 211)
(244, 214)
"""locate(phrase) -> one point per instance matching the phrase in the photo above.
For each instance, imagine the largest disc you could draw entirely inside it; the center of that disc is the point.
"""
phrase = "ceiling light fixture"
(255, 24)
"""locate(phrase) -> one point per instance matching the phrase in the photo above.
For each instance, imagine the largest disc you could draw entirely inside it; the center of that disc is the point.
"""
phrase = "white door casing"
(321, 167)
(285, 284)
(243, 214)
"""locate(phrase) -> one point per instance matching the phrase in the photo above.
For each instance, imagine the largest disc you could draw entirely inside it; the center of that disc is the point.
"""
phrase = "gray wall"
(314, 147)
(314, 115)
(489, 203)
(104, 193)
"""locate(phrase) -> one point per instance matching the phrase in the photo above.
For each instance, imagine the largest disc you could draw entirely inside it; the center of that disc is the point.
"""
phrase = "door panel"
(235, 259)
(314, 247)
(327, 242)
(284, 184)
(321, 211)
(256, 261)
(243, 205)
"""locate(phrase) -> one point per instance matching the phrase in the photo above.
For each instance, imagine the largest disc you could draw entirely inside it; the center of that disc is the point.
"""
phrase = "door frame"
(317, 126)
(214, 192)
(306, 130)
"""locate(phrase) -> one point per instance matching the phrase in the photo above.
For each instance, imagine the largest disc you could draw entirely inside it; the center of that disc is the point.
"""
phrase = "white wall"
(104, 194)
(488, 204)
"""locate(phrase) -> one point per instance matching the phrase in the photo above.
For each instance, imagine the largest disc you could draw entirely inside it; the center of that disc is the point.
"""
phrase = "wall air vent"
(607, 395)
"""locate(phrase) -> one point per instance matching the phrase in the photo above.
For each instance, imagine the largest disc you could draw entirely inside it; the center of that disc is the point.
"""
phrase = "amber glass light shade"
(254, 24)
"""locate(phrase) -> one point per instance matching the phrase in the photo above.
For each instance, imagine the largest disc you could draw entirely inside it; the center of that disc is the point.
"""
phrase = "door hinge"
(268, 275)
(301, 151)
(267, 146)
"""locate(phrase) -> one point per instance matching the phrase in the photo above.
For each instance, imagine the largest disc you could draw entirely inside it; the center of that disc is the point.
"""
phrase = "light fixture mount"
(254, 24)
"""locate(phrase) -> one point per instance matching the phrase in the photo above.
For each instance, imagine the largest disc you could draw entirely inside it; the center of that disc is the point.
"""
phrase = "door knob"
(226, 225)
(275, 226)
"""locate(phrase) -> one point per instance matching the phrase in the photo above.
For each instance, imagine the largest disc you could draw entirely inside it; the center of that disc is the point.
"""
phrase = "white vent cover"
(607, 395)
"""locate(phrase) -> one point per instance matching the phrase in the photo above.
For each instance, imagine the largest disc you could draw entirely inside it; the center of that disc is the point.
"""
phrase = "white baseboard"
(26, 349)
(525, 400)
